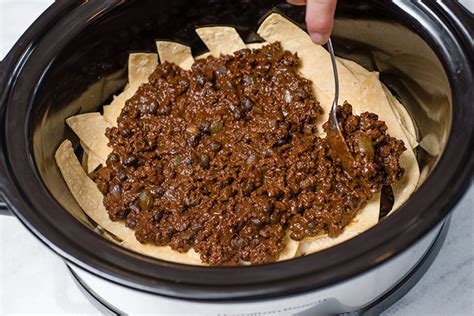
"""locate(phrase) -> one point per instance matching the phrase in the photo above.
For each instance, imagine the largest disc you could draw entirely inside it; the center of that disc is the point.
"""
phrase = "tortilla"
(90, 199)
(140, 67)
(291, 246)
(365, 219)
(90, 161)
(202, 56)
(85, 156)
(221, 40)
(376, 101)
(404, 119)
(176, 53)
(90, 128)
(256, 45)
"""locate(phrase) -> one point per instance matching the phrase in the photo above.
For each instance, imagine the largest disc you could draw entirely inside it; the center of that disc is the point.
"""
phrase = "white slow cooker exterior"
(348, 296)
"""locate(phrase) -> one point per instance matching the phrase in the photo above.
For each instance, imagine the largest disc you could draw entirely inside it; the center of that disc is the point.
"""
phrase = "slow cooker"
(73, 59)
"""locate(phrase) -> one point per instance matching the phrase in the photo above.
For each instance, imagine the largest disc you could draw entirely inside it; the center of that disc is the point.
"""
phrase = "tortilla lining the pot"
(221, 40)
(404, 119)
(90, 128)
(176, 53)
(140, 67)
(90, 161)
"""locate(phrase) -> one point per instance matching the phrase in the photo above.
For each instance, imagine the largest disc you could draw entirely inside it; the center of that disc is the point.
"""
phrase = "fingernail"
(296, 2)
(318, 38)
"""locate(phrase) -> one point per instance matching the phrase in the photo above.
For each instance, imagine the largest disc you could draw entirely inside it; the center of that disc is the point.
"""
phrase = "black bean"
(132, 223)
(121, 175)
(267, 153)
(287, 96)
(195, 227)
(214, 146)
(205, 128)
(282, 141)
(200, 80)
(158, 216)
(193, 140)
(114, 157)
(116, 190)
(247, 188)
(188, 162)
(237, 242)
(163, 110)
(126, 133)
(221, 70)
(204, 161)
(256, 242)
(251, 159)
(123, 213)
(134, 208)
(301, 94)
(248, 80)
(232, 107)
(151, 144)
(230, 86)
(247, 104)
(238, 114)
(184, 84)
(190, 201)
(130, 161)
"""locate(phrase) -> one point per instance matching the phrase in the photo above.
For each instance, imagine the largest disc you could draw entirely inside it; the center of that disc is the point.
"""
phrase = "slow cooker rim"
(19, 204)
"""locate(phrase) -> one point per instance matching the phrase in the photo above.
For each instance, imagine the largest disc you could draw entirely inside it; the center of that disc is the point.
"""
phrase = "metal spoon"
(335, 136)
(332, 115)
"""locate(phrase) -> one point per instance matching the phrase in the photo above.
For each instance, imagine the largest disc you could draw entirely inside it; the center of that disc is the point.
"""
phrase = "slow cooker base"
(375, 308)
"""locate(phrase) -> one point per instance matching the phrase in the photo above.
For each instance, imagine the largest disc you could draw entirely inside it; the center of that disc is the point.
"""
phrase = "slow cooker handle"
(3, 205)
(4, 210)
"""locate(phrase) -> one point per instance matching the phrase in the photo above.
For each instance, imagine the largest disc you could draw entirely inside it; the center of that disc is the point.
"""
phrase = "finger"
(319, 19)
(296, 2)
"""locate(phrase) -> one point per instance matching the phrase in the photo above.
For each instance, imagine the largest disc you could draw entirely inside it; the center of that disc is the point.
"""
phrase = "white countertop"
(33, 280)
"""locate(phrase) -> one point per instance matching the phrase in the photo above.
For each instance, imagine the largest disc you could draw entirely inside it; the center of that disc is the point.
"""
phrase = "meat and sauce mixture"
(225, 158)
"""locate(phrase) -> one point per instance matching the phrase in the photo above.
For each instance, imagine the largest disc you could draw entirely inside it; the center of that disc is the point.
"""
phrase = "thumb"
(319, 19)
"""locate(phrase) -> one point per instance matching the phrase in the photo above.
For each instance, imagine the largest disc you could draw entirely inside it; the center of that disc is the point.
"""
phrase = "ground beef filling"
(225, 159)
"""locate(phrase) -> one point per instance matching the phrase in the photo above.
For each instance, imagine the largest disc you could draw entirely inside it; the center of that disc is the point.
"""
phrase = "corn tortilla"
(404, 119)
(140, 67)
(221, 40)
(90, 161)
(176, 53)
(90, 128)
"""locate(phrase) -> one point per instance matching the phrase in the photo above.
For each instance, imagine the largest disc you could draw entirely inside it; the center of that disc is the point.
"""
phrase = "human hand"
(319, 18)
